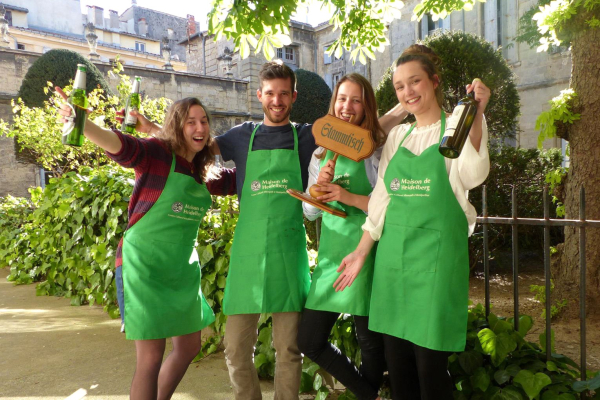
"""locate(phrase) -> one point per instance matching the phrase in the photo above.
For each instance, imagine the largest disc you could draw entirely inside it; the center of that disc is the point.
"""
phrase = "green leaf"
(318, 382)
(470, 361)
(480, 379)
(532, 383)
(497, 346)
(502, 376)
(507, 393)
(590, 384)
(322, 394)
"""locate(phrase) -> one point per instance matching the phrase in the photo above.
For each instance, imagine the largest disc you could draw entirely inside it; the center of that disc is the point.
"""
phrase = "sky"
(198, 8)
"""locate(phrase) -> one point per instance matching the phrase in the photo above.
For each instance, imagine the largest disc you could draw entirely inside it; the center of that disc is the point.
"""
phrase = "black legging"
(313, 341)
(417, 373)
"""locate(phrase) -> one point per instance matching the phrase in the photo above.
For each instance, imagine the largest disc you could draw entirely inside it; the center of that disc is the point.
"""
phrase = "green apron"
(161, 274)
(337, 236)
(421, 278)
(268, 271)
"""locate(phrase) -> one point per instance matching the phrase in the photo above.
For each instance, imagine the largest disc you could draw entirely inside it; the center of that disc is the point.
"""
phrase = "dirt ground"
(53, 351)
(566, 327)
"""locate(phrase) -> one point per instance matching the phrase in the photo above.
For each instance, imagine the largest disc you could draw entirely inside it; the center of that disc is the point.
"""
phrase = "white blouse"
(466, 172)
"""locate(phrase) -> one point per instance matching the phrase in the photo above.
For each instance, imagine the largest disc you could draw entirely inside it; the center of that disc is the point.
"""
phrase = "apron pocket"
(409, 249)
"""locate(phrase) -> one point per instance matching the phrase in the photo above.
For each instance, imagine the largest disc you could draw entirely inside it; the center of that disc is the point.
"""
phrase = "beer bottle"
(72, 132)
(458, 126)
(133, 104)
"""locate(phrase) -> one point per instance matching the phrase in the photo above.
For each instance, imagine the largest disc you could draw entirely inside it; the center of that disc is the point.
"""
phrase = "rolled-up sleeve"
(133, 151)
(473, 165)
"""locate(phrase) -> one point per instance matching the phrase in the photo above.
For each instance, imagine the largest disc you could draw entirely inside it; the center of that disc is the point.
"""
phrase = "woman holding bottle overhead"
(158, 276)
(353, 100)
(420, 214)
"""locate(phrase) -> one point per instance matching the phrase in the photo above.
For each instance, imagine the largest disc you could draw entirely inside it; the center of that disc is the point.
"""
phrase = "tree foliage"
(362, 26)
(37, 130)
(59, 67)
(313, 97)
(464, 57)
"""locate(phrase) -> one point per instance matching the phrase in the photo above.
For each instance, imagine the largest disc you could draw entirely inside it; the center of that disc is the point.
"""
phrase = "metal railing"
(546, 223)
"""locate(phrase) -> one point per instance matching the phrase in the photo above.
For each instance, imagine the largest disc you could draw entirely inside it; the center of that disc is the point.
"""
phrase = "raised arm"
(392, 118)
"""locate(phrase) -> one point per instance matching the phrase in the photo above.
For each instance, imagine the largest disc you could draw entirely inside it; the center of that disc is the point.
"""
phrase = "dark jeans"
(120, 295)
(313, 341)
(417, 373)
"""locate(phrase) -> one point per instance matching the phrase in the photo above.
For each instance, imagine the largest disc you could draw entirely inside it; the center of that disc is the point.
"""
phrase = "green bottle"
(133, 104)
(72, 132)
(458, 127)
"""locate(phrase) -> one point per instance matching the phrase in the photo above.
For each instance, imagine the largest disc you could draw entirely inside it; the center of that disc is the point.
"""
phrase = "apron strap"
(257, 126)
(172, 164)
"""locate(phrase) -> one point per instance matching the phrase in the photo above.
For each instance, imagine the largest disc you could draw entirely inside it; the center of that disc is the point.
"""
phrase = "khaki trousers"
(241, 333)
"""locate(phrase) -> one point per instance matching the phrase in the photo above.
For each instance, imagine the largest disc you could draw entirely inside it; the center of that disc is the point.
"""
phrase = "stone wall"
(228, 100)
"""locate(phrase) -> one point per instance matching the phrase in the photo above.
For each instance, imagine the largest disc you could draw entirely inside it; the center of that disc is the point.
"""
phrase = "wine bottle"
(133, 104)
(458, 127)
(72, 132)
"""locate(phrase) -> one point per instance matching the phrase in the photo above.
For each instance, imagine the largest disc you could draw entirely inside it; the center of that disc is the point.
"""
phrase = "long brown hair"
(370, 122)
(430, 62)
(172, 135)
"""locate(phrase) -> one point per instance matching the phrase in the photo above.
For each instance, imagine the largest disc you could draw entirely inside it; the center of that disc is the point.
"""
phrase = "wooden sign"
(316, 203)
(344, 138)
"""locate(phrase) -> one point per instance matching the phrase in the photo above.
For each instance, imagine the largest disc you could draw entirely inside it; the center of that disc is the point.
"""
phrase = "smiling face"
(196, 131)
(277, 97)
(349, 102)
(414, 89)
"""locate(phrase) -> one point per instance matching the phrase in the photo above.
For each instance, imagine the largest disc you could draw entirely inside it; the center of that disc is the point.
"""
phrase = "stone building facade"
(226, 99)
(539, 76)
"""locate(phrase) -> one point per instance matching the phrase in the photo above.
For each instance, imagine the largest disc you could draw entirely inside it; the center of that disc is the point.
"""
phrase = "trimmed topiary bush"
(464, 57)
(57, 66)
(313, 97)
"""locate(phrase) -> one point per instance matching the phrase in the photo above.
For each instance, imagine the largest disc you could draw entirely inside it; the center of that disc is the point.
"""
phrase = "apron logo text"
(415, 185)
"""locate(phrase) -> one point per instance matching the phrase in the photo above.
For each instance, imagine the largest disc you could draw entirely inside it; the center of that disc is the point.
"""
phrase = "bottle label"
(452, 122)
(130, 119)
(79, 80)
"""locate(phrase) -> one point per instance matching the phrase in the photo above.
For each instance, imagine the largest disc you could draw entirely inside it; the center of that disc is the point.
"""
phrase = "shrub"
(525, 170)
(313, 97)
(69, 241)
(464, 57)
(57, 66)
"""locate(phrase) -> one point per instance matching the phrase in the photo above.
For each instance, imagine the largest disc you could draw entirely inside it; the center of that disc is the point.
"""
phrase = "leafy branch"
(560, 112)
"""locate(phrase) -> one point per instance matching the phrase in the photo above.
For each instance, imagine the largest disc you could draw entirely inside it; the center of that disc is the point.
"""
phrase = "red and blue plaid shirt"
(151, 161)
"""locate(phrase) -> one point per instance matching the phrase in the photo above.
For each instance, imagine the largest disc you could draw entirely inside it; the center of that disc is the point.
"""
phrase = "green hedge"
(59, 67)
(313, 97)
(464, 57)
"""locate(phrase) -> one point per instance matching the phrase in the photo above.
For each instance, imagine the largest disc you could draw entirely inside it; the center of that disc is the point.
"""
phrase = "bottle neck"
(136, 86)
(79, 80)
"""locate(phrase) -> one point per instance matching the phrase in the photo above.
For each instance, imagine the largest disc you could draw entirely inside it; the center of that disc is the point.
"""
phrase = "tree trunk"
(584, 171)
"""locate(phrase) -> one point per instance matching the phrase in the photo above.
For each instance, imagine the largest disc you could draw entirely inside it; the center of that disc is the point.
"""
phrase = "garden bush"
(59, 67)
(525, 170)
(465, 56)
(313, 97)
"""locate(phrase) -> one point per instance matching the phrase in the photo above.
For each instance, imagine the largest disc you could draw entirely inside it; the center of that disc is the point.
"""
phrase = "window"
(286, 53)
(500, 23)
(139, 46)
(8, 17)
(430, 27)
(20, 46)
(326, 57)
(336, 78)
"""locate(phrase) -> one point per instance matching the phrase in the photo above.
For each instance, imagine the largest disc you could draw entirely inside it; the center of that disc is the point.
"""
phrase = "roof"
(14, 8)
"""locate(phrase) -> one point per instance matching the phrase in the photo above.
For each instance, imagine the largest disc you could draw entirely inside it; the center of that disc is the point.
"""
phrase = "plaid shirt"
(151, 162)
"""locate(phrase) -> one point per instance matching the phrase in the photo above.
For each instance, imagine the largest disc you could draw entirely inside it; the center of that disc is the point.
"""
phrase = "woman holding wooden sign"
(353, 100)
(420, 214)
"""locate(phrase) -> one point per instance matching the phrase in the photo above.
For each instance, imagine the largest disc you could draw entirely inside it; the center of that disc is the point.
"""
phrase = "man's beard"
(278, 120)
